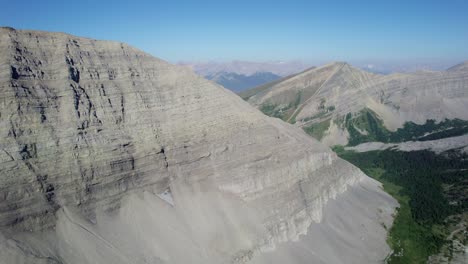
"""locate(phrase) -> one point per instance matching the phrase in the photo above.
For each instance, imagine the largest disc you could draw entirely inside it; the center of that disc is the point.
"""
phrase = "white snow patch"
(167, 196)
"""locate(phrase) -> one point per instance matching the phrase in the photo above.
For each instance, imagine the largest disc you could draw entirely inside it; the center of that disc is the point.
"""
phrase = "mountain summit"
(326, 98)
(109, 155)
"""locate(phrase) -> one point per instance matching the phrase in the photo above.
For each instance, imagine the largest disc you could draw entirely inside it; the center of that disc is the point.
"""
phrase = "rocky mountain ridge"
(331, 92)
(109, 155)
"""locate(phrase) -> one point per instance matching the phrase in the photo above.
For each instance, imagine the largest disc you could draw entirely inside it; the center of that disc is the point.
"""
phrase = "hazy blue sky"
(260, 30)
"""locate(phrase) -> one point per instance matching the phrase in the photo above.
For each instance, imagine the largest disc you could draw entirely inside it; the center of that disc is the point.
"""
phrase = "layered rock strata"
(109, 155)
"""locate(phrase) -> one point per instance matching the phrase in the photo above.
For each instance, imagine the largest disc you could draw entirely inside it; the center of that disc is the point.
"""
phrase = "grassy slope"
(317, 130)
(282, 112)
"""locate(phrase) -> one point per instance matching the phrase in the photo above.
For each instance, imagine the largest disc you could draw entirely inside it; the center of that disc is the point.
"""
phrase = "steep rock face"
(109, 155)
(332, 91)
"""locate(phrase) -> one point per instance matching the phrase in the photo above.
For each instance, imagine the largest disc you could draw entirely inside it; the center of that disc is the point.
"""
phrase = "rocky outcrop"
(109, 155)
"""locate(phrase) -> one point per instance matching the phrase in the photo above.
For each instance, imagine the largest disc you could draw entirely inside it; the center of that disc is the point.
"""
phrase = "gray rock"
(109, 155)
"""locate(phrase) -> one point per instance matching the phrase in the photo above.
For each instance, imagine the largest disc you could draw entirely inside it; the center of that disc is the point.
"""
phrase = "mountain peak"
(7, 28)
(102, 138)
(459, 67)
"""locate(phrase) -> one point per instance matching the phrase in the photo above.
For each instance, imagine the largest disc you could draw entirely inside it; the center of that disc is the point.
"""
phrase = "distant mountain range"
(240, 82)
(285, 68)
(242, 75)
(109, 155)
(248, 68)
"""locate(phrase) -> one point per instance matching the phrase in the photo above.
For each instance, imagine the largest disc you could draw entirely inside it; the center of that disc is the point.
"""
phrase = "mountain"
(408, 66)
(281, 68)
(462, 67)
(332, 101)
(239, 82)
(407, 130)
(109, 155)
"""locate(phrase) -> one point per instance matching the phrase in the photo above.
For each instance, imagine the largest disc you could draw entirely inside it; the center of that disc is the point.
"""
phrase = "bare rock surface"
(349, 227)
(109, 155)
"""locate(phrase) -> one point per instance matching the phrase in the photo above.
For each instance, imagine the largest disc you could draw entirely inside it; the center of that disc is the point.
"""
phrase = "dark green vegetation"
(317, 130)
(272, 110)
(415, 179)
(430, 188)
(283, 112)
(374, 129)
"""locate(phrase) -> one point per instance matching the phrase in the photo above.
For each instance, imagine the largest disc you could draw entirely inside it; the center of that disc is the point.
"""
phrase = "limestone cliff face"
(86, 125)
